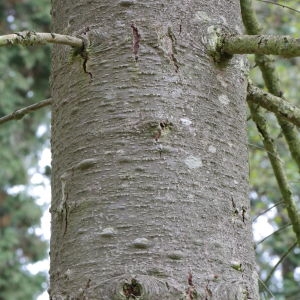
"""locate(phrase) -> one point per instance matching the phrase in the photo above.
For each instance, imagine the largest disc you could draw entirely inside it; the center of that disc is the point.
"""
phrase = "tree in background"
(23, 80)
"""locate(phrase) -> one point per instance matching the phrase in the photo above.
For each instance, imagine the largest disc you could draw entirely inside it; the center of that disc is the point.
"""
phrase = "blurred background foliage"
(24, 80)
(284, 281)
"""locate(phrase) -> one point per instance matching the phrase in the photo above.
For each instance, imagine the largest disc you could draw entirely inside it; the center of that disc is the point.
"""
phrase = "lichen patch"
(185, 121)
(212, 149)
(193, 162)
(224, 99)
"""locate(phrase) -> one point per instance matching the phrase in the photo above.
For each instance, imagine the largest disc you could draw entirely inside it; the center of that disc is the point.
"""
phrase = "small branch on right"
(285, 46)
(277, 105)
(222, 44)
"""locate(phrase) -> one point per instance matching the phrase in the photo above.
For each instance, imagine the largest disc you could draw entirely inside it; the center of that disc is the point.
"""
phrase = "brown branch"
(285, 46)
(277, 105)
(20, 113)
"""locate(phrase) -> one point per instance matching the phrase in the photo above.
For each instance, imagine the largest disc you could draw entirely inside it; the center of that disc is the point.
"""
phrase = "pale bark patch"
(193, 162)
(224, 99)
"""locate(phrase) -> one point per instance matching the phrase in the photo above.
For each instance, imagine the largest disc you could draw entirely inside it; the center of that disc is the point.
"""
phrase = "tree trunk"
(150, 190)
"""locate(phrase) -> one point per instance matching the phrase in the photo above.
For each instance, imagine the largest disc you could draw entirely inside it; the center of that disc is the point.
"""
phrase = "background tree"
(23, 80)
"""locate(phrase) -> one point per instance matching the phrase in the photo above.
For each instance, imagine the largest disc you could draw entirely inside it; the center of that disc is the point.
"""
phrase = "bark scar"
(173, 51)
(244, 210)
(163, 127)
(136, 41)
(64, 209)
(85, 59)
(133, 289)
(236, 212)
(85, 56)
(20, 35)
(191, 292)
(83, 52)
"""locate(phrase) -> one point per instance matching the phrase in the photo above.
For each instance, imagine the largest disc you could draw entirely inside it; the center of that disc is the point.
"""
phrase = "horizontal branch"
(31, 38)
(274, 104)
(20, 113)
(261, 44)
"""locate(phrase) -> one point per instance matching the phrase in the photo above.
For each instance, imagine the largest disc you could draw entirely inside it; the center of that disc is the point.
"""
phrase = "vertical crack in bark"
(191, 292)
(85, 56)
(83, 52)
(85, 59)
(64, 206)
(136, 41)
(180, 27)
(236, 212)
(173, 49)
(244, 211)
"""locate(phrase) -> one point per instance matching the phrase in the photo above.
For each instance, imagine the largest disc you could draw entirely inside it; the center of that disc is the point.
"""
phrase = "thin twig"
(264, 149)
(20, 113)
(266, 210)
(282, 258)
(31, 38)
(266, 288)
(273, 233)
(281, 5)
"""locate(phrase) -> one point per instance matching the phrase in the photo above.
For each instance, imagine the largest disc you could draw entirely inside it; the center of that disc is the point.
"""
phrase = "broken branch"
(31, 38)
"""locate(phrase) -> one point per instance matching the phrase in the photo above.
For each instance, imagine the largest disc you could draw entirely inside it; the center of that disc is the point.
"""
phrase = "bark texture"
(150, 191)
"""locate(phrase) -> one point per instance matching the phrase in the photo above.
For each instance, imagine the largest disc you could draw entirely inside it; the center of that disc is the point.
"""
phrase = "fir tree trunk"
(150, 190)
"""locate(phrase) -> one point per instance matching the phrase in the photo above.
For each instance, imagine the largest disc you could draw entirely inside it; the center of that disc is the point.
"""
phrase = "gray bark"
(149, 187)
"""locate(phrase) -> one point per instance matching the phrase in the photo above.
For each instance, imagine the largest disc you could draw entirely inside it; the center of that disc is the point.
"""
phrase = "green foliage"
(19, 245)
(23, 81)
